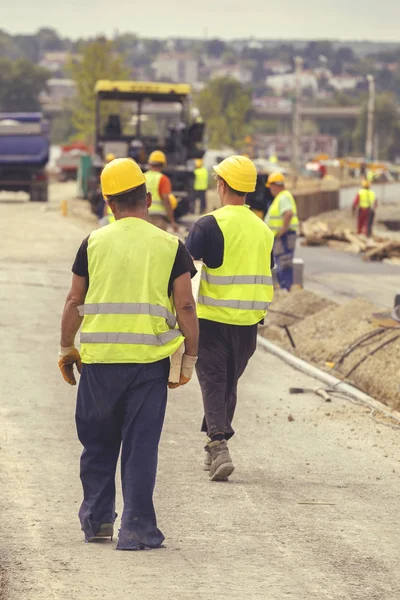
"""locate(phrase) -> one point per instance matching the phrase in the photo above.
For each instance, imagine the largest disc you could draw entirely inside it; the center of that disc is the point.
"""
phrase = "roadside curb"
(329, 380)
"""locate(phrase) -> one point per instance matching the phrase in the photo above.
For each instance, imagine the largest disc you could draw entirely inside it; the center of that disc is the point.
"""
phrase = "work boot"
(106, 530)
(207, 459)
(221, 462)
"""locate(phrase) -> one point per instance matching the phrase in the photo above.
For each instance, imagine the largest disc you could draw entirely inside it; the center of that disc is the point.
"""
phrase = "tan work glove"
(67, 358)
(187, 368)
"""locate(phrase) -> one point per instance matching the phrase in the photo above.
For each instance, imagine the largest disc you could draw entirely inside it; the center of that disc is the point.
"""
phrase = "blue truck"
(24, 154)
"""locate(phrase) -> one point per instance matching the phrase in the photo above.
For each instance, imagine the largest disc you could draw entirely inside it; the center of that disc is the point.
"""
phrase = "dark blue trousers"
(121, 404)
(284, 247)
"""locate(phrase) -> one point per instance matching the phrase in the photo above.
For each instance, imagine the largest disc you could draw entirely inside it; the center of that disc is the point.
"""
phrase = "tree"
(20, 85)
(225, 106)
(386, 126)
(215, 47)
(99, 61)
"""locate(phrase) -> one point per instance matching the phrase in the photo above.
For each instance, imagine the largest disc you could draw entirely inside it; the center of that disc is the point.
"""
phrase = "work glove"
(187, 368)
(67, 358)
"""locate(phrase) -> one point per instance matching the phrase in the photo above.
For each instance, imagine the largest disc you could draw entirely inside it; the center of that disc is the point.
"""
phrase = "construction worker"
(159, 185)
(235, 292)
(366, 203)
(200, 186)
(129, 280)
(283, 221)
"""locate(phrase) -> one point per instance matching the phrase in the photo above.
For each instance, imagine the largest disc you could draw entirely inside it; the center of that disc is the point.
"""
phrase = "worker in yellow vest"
(200, 186)
(159, 185)
(132, 294)
(283, 220)
(366, 203)
(235, 292)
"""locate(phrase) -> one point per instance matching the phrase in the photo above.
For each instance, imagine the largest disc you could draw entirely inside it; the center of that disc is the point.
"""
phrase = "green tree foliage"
(225, 106)
(20, 85)
(99, 61)
(386, 126)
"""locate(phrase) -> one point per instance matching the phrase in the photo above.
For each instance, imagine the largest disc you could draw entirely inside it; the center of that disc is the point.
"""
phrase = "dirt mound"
(344, 335)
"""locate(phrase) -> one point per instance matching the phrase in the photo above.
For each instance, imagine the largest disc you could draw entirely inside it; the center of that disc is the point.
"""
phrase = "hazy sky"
(275, 19)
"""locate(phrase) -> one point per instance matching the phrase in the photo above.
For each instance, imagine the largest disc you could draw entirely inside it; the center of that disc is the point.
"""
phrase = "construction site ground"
(308, 513)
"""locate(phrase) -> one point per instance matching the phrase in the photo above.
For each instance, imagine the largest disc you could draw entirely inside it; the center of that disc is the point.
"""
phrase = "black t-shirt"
(183, 264)
(206, 242)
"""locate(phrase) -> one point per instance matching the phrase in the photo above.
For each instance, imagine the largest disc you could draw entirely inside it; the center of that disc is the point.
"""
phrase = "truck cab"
(24, 154)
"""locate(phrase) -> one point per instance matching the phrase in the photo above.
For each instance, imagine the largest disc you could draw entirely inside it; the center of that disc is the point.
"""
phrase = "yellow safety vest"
(274, 219)
(153, 179)
(240, 291)
(367, 198)
(200, 179)
(128, 316)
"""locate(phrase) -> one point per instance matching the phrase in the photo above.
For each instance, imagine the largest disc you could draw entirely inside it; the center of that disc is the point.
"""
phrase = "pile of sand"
(324, 334)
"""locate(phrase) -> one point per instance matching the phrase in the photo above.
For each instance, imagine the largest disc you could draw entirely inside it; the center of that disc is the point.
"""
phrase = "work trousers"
(121, 404)
(371, 220)
(224, 351)
(284, 247)
(363, 220)
(201, 195)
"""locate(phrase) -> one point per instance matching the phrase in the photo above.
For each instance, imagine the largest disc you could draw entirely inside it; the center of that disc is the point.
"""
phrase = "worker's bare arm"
(186, 313)
(287, 217)
(168, 208)
(71, 319)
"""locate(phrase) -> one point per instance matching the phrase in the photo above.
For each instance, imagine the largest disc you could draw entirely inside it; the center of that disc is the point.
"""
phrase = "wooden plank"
(379, 252)
(176, 358)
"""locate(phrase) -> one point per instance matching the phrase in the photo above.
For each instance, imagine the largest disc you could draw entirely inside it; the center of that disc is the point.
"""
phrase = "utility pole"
(369, 144)
(296, 123)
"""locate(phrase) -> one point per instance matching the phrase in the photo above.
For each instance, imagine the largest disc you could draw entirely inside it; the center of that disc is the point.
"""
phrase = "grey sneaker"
(207, 459)
(221, 462)
(106, 530)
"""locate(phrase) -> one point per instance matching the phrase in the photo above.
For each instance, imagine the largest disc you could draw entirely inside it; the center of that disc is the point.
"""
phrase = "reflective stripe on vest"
(367, 198)
(237, 304)
(274, 219)
(200, 179)
(128, 316)
(153, 179)
(128, 308)
(240, 290)
(236, 279)
(144, 339)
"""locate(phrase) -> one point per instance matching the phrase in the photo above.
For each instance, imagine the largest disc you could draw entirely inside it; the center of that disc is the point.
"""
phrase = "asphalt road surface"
(308, 514)
(341, 276)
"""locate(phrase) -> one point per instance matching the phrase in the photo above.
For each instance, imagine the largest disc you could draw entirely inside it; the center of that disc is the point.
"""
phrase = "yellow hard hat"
(277, 178)
(157, 158)
(198, 163)
(110, 157)
(121, 175)
(366, 183)
(173, 201)
(239, 173)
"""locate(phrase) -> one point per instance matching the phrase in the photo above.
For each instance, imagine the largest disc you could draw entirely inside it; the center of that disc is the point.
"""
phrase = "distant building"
(272, 102)
(344, 83)
(57, 61)
(277, 67)
(281, 145)
(241, 74)
(287, 82)
(57, 93)
(179, 68)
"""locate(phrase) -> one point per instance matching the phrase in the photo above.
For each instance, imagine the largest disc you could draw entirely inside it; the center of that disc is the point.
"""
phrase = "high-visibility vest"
(240, 291)
(153, 179)
(128, 316)
(200, 179)
(274, 219)
(367, 198)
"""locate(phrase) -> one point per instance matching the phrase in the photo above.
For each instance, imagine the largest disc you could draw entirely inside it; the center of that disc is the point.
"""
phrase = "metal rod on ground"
(369, 149)
(296, 120)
